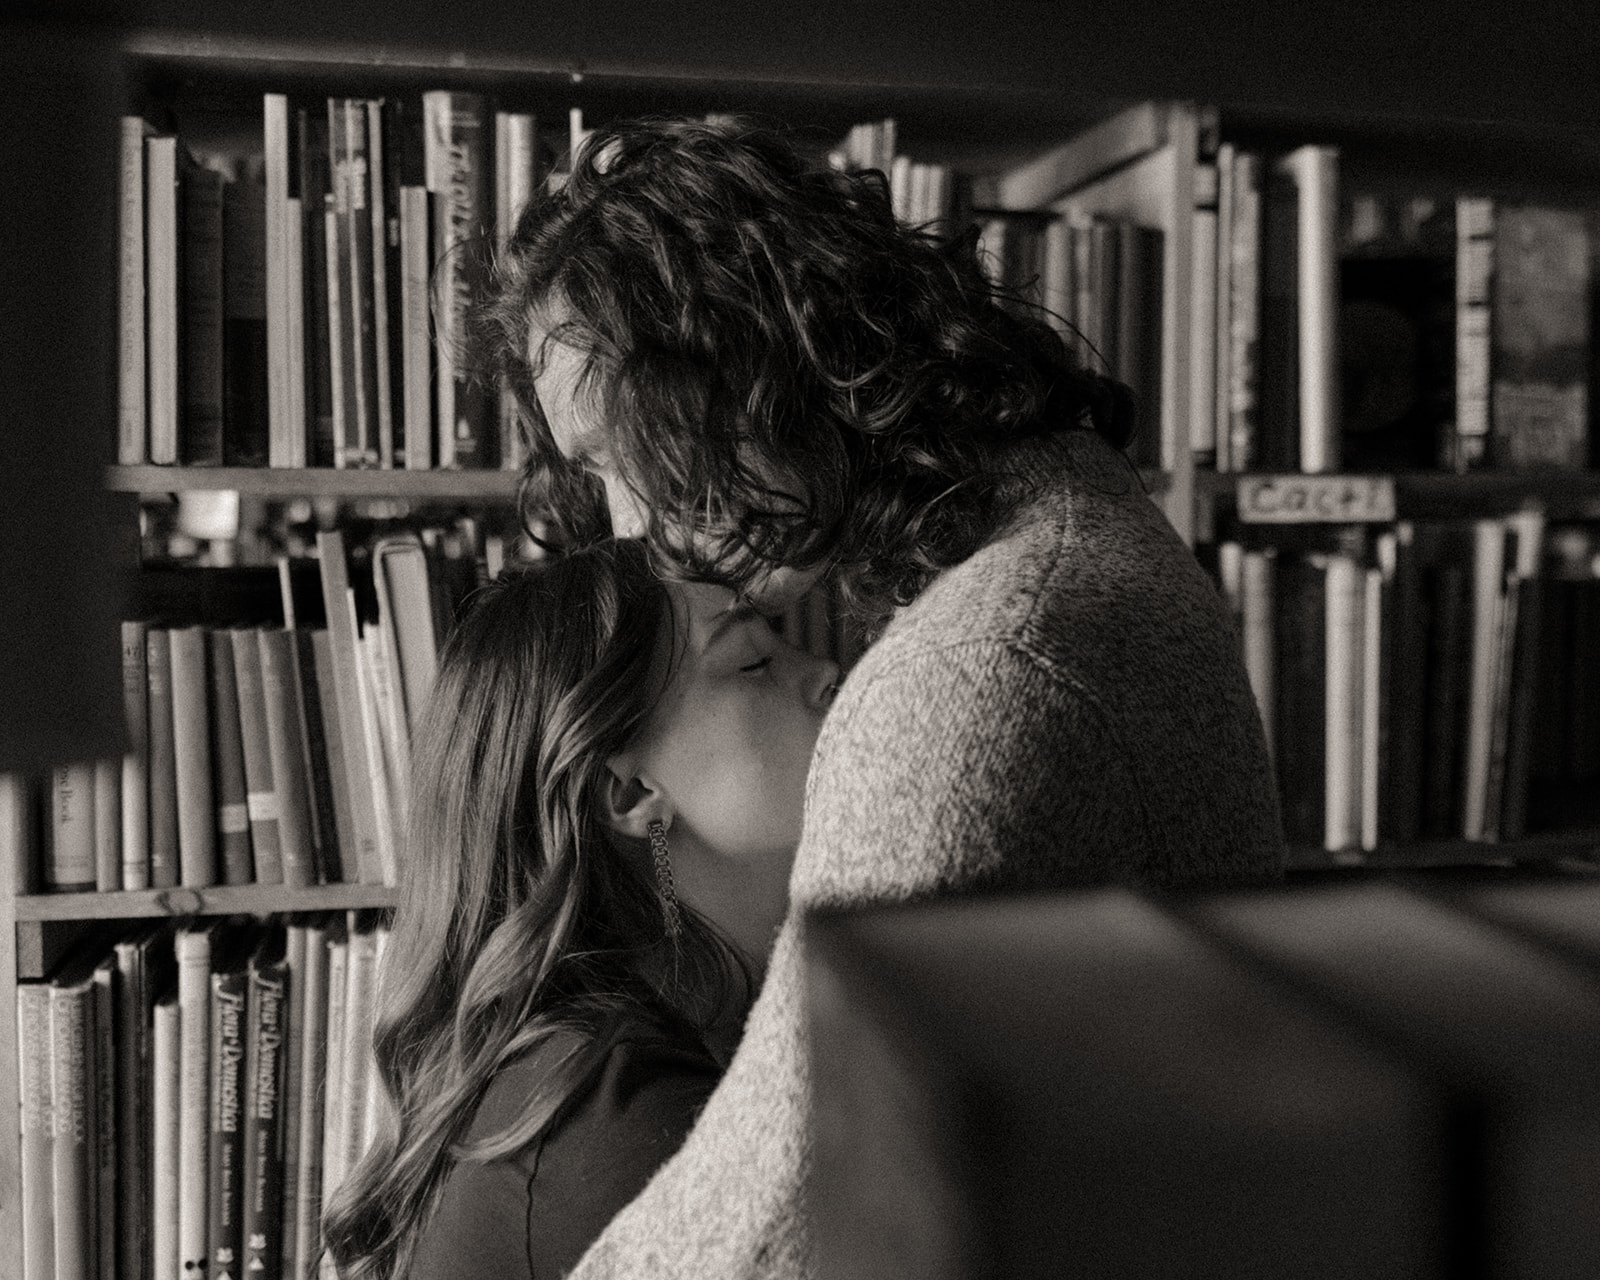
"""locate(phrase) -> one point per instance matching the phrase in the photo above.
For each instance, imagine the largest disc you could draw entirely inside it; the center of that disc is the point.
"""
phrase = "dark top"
(534, 1213)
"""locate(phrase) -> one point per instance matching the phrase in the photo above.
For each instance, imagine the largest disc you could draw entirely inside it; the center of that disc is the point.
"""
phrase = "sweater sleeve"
(881, 824)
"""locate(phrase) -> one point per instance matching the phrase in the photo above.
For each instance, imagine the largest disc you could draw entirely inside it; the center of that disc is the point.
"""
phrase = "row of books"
(921, 194)
(1345, 330)
(306, 305)
(270, 744)
(191, 1095)
(1099, 280)
(1425, 680)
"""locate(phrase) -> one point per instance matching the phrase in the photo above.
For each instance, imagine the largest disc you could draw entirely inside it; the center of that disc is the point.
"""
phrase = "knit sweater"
(1066, 707)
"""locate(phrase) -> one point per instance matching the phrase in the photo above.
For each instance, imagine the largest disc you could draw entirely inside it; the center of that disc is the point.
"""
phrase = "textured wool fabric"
(1067, 707)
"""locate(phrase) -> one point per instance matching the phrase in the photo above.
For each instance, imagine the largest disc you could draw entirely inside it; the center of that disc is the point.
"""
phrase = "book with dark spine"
(201, 363)
(191, 737)
(163, 762)
(136, 763)
(267, 1049)
(260, 783)
(227, 753)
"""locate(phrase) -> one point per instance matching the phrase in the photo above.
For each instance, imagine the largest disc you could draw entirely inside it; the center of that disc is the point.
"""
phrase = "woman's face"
(730, 742)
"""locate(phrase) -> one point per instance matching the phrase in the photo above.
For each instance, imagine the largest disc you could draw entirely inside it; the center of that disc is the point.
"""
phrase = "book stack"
(1412, 677)
(305, 304)
(192, 1093)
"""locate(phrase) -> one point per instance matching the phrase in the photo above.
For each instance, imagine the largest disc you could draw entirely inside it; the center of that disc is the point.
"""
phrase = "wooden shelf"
(218, 900)
(312, 482)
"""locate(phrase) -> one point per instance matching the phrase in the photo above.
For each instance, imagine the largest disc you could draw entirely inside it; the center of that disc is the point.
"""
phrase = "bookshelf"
(1044, 113)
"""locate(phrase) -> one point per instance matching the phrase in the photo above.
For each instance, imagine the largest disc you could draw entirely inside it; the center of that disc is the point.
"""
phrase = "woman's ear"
(631, 801)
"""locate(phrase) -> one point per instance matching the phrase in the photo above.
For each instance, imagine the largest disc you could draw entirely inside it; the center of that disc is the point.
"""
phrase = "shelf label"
(1305, 499)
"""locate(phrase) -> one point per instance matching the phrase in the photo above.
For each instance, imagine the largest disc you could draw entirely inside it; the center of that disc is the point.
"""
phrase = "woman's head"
(576, 703)
(760, 365)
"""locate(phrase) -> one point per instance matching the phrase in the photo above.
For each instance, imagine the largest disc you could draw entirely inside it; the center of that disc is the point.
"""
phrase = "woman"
(610, 779)
(745, 361)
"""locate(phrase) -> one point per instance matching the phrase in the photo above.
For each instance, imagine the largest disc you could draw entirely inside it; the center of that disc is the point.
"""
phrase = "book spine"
(201, 364)
(1203, 318)
(225, 1157)
(133, 1012)
(73, 1091)
(343, 639)
(352, 186)
(335, 1100)
(227, 751)
(417, 345)
(293, 1034)
(378, 237)
(1300, 737)
(312, 1050)
(377, 726)
(1222, 314)
(1405, 691)
(361, 977)
(1374, 692)
(163, 762)
(132, 447)
(286, 742)
(136, 763)
(108, 825)
(456, 162)
(261, 791)
(339, 356)
(1449, 651)
(325, 833)
(1524, 676)
(71, 867)
(279, 282)
(1488, 579)
(193, 947)
(104, 1137)
(1475, 219)
(316, 191)
(334, 758)
(163, 272)
(191, 739)
(1345, 586)
(166, 1105)
(37, 1156)
(1539, 356)
(246, 430)
(263, 1155)
(1244, 310)
(1315, 171)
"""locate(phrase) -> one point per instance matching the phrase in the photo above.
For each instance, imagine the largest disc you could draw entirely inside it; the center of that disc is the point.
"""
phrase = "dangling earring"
(663, 863)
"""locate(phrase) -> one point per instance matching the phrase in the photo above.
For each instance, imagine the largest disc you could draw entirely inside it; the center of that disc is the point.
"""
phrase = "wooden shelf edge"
(1577, 846)
(217, 900)
(315, 482)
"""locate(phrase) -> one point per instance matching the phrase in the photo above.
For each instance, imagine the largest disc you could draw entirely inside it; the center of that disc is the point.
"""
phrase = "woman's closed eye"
(760, 664)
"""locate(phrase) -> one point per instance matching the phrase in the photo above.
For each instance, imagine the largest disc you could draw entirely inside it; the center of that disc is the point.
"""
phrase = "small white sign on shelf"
(1309, 499)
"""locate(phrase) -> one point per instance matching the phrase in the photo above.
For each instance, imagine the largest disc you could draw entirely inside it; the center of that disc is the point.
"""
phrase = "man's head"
(743, 359)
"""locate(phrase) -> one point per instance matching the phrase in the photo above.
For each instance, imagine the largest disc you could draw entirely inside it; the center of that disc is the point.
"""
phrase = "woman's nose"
(825, 682)
(627, 516)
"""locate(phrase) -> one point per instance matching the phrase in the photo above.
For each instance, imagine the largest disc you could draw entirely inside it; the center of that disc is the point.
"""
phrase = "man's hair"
(782, 368)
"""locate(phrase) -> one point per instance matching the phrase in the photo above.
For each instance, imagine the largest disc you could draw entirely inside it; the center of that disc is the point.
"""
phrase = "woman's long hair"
(784, 368)
(523, 920)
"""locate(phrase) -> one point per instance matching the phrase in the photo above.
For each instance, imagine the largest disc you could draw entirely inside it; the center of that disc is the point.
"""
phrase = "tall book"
(193, 947)
(132, 434)
(104, 1147)
(136, 763)
(1138, 342)
(191, 737)
(1448, 583)
(316, 191)
(352, 249)
(163, 291)
(144, 968)
(335, 782)
(71, 865)
(1242, 336)
(1523, 676)
(329, 834)
(164, 861)
(1539, 339)
(416, 359)
(108, 825)
(342, 645)
(292, 1020)
(267, 1049)
(406, 616)
(226, 1131)
(335, 1100)
(515, 176)
(382, 119)
(1258, 611)
(203, 319)
(262, 805)
(1203, 316)
(37, 1154)
(456, 157)
(74, 1090)
(166, 1094)
(1404, 725)
(1301, 732)
(310, 995)
(1488, 617)
(284, 297)
(1475, 217)
(245, 376)
(287, 744)
(232, 794)
(1343, 715)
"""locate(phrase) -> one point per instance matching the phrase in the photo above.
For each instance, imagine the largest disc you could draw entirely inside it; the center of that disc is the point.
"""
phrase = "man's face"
(578, 429)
